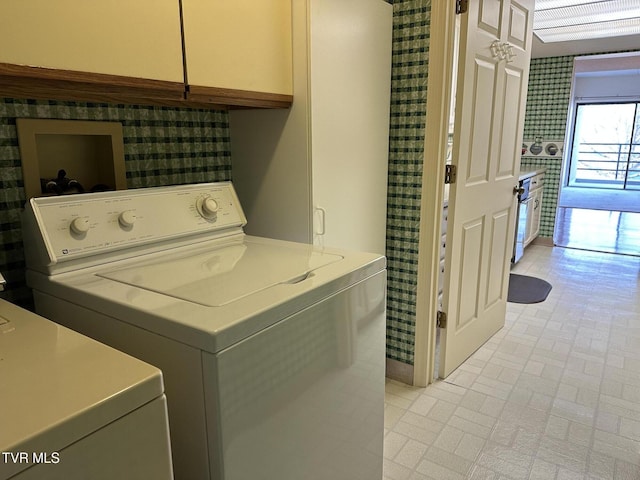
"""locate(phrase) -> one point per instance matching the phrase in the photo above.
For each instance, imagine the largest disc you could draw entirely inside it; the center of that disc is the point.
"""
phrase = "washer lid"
(219, 276)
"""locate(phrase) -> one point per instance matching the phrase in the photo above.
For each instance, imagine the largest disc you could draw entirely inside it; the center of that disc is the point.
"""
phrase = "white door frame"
(439, 90)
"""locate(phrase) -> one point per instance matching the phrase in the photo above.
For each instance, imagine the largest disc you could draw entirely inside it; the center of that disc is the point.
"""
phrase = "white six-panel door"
(493, 71)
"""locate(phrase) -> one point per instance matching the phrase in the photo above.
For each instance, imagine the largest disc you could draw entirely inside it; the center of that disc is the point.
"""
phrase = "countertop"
(530, 173)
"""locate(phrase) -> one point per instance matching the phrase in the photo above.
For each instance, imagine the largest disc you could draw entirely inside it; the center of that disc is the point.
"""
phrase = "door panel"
(518, 23)
(471, 270)
(478, 149)
(509, 131)
(499, 242)
(491, 92)
(490, 18)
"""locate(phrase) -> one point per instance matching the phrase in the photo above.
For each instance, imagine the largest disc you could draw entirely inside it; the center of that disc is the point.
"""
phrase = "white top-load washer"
(272, 352)
(74, 409)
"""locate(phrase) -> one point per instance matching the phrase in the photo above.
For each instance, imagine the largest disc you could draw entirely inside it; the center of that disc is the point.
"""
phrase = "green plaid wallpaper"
(546, 116)
(163, 146)
(548, 97)
(406, 149)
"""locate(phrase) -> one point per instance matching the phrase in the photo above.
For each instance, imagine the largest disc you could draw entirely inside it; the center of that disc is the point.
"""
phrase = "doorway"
(598, 205)
(490, 102)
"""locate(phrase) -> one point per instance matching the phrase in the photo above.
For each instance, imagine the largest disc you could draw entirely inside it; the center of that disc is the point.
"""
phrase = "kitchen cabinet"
(317, 173)
(139, 39)
(534, 208)
(237, 45)
(238, 53)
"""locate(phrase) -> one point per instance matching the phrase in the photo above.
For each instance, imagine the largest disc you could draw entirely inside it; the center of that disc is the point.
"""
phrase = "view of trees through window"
(606, 146)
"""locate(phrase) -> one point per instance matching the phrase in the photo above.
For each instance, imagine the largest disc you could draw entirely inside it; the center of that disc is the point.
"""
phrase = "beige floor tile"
(554, 395)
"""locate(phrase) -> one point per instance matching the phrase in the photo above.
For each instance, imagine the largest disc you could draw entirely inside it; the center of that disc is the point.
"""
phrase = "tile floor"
(554, 395)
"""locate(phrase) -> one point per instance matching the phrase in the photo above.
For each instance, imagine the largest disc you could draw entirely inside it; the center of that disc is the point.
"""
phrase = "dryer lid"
(222, 275)
(57, 386)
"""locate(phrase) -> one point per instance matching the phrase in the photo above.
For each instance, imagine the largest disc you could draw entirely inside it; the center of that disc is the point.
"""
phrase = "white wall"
(623, 85)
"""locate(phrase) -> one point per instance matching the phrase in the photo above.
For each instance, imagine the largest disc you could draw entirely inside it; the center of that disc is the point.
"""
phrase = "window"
(606, 146)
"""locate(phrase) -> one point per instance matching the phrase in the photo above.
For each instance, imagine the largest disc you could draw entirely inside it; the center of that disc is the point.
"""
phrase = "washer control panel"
(81, 225)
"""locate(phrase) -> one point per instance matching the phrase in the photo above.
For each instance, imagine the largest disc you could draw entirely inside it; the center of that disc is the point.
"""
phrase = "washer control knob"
(80, 225)
(207, 207)
(127, 218)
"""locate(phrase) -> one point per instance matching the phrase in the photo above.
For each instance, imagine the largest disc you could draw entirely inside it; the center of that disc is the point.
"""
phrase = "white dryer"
(74, 409)
(272, 352)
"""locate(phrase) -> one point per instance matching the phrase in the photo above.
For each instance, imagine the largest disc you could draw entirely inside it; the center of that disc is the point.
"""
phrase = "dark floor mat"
(525, 289)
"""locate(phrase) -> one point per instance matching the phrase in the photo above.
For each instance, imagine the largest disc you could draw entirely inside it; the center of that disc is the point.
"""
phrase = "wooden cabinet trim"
(237, 98)
(21, 81)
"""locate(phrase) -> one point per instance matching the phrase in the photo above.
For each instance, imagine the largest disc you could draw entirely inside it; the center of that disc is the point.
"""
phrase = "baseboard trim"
(400, 371)
(544, 241)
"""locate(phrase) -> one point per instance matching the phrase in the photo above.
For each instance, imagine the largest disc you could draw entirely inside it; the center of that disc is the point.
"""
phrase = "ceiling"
(600, 45)
(581, 17)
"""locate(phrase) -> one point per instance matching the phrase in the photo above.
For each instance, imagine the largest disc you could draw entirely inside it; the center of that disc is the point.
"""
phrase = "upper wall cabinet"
(138, 38)
(238, 47)
(237, 53)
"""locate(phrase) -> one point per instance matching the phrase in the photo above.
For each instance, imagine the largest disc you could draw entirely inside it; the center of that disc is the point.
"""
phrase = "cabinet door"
(238, 44)
(134, 39)
(350, 47)
(526, 208)
(535, 216)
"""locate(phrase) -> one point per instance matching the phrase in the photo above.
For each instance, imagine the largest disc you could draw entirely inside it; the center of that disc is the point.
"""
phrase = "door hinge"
(450, 172)
(462, 6)
(441, 320)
